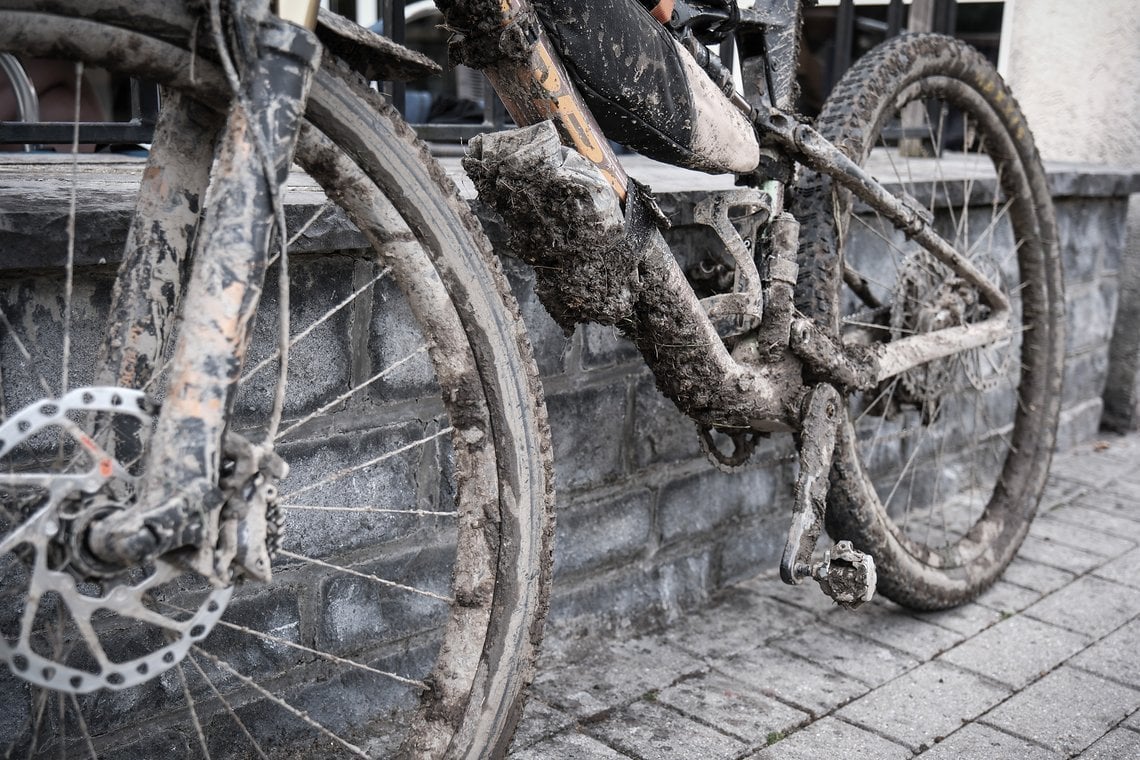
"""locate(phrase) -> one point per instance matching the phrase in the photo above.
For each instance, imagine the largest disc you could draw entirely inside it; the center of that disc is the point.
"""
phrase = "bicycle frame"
(786, 373)
(536, 87)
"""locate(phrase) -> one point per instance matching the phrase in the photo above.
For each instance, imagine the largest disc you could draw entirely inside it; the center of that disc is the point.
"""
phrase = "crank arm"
(816, 444)
(845, 574)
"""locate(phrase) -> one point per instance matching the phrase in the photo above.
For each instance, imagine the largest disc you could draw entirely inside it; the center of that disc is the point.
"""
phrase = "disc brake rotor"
(61, 628)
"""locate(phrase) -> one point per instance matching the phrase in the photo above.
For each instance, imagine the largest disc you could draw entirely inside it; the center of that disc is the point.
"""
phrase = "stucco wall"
(1075, 68)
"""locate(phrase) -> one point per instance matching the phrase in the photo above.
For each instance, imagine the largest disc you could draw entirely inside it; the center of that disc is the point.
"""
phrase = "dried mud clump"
(564, 219)
(482, 35)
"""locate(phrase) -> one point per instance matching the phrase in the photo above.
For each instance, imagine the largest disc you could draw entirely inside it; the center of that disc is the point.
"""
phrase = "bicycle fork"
(179, 501)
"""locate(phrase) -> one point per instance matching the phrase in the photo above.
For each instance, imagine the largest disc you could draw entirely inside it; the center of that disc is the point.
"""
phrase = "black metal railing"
(138, 127)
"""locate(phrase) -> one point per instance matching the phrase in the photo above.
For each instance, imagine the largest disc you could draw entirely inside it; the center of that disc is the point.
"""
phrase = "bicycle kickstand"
(845, 574)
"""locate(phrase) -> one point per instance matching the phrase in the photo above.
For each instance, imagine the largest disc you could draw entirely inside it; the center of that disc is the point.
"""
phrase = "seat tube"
(534, 85)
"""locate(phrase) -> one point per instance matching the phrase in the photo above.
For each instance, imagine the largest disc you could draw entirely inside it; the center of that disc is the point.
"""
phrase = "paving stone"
(930, 701)
(889, 624)
(805, 596)
(791, 679)
(1056, 555)
(831, 738)
(567, 745)
(1124, 569)
(1118, 499)
(1088, 466)
(603, 677)
(1066, 710)
(1116, 744)
(539, 720)
(977, 742)
(1133, 721)
(731, 707)
(739, 620)
(1008, 598)
(1047, 528)
(1115, 656)
(968, 619)
(1017, 651)
(1124, 524)
(648, 730)
(855, 656)
(1088, 605)
(1029, 574)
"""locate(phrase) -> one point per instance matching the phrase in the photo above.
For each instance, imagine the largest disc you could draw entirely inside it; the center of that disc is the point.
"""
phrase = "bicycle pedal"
(847, 575)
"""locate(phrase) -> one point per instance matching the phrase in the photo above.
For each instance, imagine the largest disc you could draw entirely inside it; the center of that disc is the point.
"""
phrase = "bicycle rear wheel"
(410, 587)
(938, 471)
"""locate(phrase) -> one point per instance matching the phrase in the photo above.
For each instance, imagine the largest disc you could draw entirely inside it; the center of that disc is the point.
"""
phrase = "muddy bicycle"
(219, 540)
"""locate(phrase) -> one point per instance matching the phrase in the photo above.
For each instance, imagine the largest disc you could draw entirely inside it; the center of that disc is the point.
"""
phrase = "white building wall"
(1075, 67)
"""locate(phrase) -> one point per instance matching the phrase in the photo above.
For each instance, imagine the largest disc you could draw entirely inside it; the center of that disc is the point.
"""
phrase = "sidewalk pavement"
(1046, 664)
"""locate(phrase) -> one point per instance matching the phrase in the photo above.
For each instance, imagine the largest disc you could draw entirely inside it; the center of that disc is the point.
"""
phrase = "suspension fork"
(179, 488)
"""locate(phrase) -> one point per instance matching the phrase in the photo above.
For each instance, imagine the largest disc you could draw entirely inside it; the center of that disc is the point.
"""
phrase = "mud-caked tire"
(938, 471)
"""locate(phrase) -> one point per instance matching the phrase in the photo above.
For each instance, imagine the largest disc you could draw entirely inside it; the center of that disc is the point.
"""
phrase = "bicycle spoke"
(353, 391)
(201, 735)
(371, 510)
(299, 714)
(365, 576)
(228, 708)
(317, 323)
(343, 473)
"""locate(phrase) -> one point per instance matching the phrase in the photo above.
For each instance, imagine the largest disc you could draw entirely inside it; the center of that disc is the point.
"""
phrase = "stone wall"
(646, 526)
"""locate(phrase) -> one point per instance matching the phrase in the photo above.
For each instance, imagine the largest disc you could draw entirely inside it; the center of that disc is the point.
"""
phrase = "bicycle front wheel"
(410, 584)
(938, 470)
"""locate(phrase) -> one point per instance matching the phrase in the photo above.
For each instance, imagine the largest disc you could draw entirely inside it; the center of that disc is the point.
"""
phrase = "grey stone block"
(640, 597)
(1088, 605)
(645, 729)
(1091, 541)
(1096, 520)
(1079, 423)
(591, 679)
(539, 721)
(1007, 598)
(739, 619)
(588, 427)
(843, 651)
(1081, 229)
(1016, 651)
(566, 745)
(831, 738)
(1118, 743)
(1124, 569)
(1042, 578)
(1091, 465)
(1089, 313)
(889, 624)
(703, 502)
(1085, 374)
(795, 681)
(1059, 556)
(901, 709)
(967, 619)
(978, 742)
(1090, 705)
(604, 346)
(731, 707)
(661, 433)
(1114, 656)
(753, 545)
(601, 533)
(548, 340)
